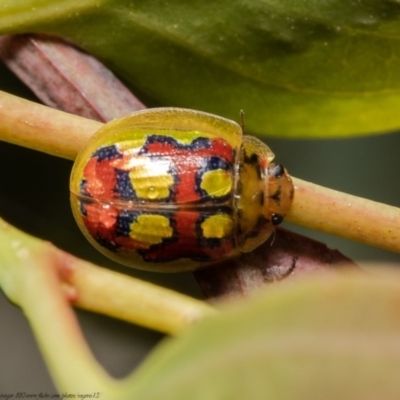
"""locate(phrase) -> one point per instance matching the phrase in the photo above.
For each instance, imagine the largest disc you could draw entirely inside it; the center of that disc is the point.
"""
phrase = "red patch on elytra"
(100, 179)
(101, 221)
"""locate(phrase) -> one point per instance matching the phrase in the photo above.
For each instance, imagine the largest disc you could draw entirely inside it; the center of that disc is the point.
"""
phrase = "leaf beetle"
(172, 189)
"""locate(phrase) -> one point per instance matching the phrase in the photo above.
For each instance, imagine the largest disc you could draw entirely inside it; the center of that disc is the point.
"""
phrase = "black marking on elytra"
(107, 153)
(196, 144)
(85, 200)
(123, 188)
(107, 244)
(83, 188)
(82, 207)
(173, 172)
(124, 221)
(276, 197)
(216, 162)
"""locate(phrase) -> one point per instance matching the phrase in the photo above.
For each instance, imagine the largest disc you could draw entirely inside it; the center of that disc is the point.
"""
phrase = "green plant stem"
(29, 279)
(32, 274)
(28, 262)
(58, 133)
(130, 299)
(348, 216)
(37, 127)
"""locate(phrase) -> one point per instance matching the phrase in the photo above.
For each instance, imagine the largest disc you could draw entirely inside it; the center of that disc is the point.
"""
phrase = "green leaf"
(297, 67)
(332, 338)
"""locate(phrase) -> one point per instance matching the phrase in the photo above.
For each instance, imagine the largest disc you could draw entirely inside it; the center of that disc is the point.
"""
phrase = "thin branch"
(133, 300)
(42, 128)
(344, 215)
(38, 127)
(89, 286)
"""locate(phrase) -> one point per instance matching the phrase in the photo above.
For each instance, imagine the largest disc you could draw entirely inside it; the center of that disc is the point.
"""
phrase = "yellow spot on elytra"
(217, 182)
(217, 226)
(151, 228)
(150, 183)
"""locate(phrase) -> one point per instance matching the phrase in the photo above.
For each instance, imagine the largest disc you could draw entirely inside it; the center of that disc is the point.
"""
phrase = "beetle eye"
(278, 170)
(276, 219)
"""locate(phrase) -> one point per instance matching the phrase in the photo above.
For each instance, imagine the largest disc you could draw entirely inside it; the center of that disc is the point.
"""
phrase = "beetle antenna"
(242, 120)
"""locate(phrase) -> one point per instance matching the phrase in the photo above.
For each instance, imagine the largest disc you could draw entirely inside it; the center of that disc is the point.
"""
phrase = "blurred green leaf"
(332, 338)
(297, 67)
